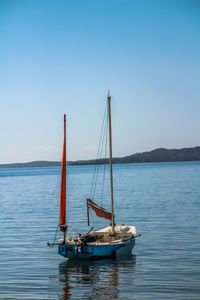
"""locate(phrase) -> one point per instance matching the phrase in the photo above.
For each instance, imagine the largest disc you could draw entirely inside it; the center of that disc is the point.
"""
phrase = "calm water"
(161, 200)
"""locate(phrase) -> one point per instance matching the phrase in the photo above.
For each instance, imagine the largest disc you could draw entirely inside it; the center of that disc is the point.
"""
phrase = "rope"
(76, 223)
(54, 238)
(102, 191)
(102, 142)
(91, 214)
(100, 146)
(55, 234)
(95, 174)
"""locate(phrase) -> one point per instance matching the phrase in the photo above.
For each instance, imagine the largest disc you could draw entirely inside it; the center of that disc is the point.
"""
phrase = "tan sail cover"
(100, 211)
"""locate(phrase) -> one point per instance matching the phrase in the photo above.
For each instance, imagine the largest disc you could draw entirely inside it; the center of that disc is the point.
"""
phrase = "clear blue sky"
(61, 57)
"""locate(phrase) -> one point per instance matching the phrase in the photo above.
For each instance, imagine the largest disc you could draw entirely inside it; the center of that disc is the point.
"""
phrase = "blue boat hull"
(95, 251)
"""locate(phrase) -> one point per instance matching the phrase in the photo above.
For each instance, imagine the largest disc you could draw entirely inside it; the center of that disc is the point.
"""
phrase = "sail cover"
(62, 216)
(100, 211)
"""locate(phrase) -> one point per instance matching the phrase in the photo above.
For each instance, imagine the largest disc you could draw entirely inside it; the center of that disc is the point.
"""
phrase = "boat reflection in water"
(94, 279)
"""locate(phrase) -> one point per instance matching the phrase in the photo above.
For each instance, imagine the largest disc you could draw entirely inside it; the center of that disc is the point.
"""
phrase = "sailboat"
(110, 241)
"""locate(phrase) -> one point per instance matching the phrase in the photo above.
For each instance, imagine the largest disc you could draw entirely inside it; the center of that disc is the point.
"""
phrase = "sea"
(161, 199)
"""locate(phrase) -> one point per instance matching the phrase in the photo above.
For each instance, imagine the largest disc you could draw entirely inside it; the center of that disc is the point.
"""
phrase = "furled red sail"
(62, 216)
(100, 211)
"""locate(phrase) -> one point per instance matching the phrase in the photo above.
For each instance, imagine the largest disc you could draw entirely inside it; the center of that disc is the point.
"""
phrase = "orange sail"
(100, 211)
(62, 216)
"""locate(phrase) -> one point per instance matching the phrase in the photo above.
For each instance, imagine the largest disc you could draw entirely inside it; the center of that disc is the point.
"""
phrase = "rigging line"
(97, 173)
(94, 173)
(72, 227)
(91, 214)
(106, 140)
(98, 156)
(100, 153)
(55, 237)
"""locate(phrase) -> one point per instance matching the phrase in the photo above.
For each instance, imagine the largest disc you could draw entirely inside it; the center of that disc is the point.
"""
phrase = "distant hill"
(32, 164)
(164, 155)
(157, 155)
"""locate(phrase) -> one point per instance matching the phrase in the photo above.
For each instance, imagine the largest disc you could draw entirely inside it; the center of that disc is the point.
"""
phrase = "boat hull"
(96, 251)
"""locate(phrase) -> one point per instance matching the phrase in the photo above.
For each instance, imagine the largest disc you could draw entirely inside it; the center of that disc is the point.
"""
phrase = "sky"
(62, 56)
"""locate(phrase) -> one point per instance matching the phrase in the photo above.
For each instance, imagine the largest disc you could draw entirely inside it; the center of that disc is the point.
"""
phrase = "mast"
(62, 216)
(111, 175)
